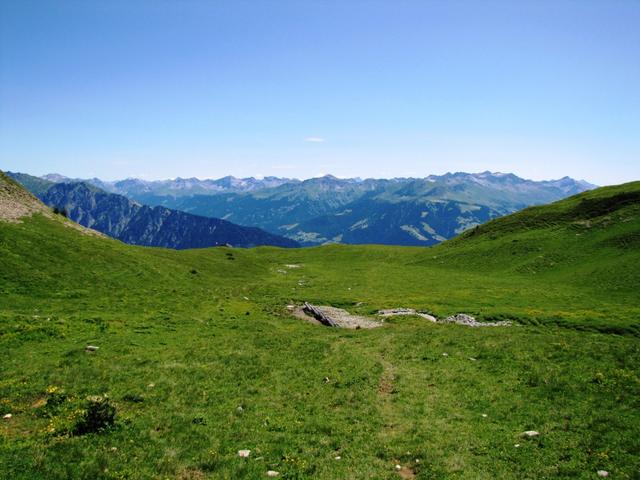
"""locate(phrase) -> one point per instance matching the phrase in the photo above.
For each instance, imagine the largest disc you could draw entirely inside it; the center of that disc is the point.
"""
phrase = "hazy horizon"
(260, 177)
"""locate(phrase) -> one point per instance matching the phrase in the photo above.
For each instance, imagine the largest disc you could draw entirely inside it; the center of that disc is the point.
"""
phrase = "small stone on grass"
(603, 473)
(272, 473)
(244, 453)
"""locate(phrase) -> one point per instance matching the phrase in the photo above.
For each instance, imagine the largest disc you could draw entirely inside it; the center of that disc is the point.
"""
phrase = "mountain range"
(398, 211)
(136, 224)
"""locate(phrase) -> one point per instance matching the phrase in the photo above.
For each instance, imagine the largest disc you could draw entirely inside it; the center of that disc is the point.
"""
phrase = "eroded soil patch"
(340, 317)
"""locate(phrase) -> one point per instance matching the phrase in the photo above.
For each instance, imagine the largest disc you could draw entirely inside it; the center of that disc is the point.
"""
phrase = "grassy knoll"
(201, 360)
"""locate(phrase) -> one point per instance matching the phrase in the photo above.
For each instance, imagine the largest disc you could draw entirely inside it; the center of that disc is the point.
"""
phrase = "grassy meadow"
(200, 357)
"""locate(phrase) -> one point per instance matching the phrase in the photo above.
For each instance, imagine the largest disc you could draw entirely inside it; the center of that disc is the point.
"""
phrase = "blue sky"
(159, 89)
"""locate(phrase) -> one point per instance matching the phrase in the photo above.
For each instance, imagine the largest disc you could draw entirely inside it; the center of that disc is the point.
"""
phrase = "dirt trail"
(393, 426)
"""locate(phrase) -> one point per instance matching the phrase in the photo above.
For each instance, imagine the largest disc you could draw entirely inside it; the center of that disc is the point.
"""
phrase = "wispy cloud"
(314, 139)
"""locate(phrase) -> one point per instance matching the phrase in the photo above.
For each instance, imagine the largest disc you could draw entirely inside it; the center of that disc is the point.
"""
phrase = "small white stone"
(151, 385)
(472, 359)
(7, 416)
(91, 348)
(338, 457)
(484, 415)
(531, 433)
(603, 473)
(244, 453)
(272, 473)
(517, 445)
(445, 354)
(398, 467)
(417, 460)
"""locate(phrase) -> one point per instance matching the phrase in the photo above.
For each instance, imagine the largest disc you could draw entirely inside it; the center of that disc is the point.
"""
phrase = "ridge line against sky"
(160, 89)
(300, 179)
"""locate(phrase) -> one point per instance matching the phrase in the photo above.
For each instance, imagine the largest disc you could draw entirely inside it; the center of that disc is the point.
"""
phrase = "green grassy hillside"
(200, 358)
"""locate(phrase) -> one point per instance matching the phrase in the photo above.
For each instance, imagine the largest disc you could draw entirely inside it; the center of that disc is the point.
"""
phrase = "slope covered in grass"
(200, 358)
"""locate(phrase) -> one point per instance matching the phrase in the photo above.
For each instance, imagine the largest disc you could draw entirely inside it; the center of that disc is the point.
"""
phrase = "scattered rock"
(517, 445)
(334, 317)
(406, 311)
(91, 348)
(469, 321)
(445, 354)
(114, 449)
(396, 311)
(272, 473)
(151, 385)
(338, 457)
(325, 380)
(531, 433)
(239, 409)
(7, 416)
(293, 265)
(603, 473)
(398, 467)
(244, 453)
(473, 359)
(484, 415)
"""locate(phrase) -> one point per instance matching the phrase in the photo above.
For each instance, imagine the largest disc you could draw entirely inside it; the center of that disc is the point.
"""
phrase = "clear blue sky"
(160, 89)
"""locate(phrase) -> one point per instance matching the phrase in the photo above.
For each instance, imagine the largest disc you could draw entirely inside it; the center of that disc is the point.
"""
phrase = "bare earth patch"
(16, 202)
(460, 318)
(340, 317)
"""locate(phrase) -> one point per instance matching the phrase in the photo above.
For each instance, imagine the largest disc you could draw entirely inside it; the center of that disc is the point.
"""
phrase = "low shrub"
(100, 415)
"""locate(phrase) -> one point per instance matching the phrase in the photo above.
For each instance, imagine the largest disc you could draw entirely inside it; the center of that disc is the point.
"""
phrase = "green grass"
(209, 330)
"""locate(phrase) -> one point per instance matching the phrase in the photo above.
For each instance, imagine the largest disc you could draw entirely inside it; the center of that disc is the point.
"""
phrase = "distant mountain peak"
(55, 177)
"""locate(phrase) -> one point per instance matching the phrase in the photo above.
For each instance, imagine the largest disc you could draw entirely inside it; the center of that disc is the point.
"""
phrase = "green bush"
(61, 211)
(100, 415)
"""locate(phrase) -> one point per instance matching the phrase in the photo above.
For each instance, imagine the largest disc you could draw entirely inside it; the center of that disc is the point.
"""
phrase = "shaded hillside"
(137, 224)
(35, 185)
